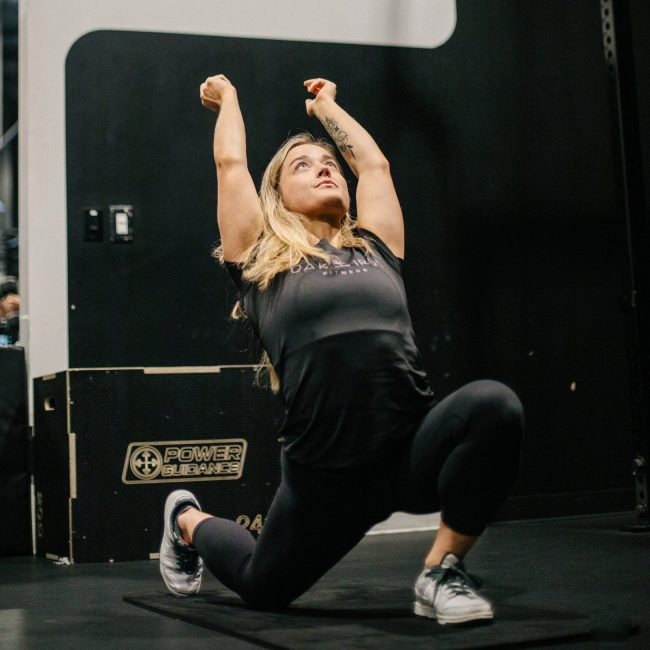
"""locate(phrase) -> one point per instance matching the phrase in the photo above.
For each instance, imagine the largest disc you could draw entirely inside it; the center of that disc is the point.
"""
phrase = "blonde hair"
(284, 240)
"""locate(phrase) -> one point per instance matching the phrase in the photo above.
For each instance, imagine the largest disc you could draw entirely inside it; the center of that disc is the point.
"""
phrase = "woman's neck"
(325, 228)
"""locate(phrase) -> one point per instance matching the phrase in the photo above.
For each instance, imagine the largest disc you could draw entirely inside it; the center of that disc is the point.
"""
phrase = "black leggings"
(462, 461)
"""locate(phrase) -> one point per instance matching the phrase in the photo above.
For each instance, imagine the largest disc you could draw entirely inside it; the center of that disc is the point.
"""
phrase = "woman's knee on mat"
(267, 597)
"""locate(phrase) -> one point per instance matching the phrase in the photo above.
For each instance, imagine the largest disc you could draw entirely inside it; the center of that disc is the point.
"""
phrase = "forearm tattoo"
(339, 136)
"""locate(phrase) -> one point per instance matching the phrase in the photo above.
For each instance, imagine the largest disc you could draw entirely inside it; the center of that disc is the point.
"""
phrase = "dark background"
(502, 152)
(9, 27)
(15, 466)
(9, 153)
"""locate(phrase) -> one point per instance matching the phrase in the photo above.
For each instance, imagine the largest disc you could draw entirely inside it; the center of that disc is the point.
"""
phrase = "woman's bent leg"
(464, 460)
(466, 454)
(306, 532)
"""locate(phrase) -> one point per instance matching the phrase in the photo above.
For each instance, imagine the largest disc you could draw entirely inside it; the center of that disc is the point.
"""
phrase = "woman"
(363, 436)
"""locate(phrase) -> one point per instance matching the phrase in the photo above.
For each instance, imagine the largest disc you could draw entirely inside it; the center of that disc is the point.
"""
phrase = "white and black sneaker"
(180, 564)
(448, 594)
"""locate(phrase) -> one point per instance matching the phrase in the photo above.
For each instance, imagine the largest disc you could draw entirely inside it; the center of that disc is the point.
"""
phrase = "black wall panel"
(501, 152)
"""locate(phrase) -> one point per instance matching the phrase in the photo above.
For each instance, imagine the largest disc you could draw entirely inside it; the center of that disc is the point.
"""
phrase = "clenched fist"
(213, 90)
(320, 88)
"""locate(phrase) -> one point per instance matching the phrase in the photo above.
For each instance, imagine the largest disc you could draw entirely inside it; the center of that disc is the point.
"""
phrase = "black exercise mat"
(358, 615)
(547, 579)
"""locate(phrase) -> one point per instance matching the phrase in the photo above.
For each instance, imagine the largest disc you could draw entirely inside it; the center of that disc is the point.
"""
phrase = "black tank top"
(340, 337)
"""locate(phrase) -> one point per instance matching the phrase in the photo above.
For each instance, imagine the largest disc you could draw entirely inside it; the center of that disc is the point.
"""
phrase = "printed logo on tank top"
(337, 267)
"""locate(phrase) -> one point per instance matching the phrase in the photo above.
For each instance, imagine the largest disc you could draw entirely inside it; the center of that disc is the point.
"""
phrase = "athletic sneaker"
(448, 594)
(180, 564)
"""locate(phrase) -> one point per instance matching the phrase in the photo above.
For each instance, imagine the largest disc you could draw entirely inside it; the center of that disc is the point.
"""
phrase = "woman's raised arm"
(378, 209)
(239, 214)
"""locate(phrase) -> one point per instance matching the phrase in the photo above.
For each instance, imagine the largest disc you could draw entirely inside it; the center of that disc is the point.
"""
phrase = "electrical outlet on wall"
(121, 219)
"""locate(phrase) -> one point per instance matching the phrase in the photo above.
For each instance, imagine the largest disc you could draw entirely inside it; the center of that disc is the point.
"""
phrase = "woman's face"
(311, 183)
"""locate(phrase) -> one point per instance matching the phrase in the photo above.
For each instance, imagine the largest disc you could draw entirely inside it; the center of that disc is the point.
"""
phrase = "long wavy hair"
(284, 241)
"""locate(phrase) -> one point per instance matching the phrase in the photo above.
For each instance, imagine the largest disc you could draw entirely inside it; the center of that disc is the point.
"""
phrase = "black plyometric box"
(110, 444)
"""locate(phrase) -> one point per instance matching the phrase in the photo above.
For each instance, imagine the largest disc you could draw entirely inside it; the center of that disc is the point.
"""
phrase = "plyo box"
(110, 444)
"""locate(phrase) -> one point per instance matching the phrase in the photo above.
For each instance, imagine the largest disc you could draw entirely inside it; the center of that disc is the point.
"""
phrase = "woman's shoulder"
(380, 246)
